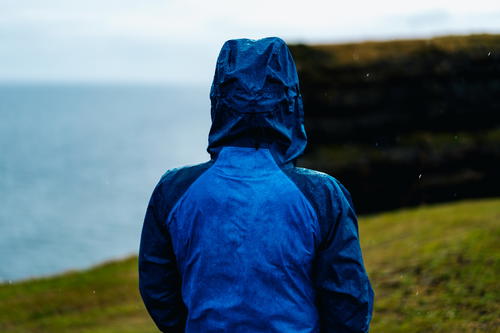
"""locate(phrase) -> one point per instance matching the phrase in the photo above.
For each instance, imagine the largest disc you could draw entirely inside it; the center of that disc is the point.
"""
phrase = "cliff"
(404, 122)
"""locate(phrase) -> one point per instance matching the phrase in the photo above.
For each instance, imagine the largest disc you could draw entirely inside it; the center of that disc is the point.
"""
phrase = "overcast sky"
(178, 40)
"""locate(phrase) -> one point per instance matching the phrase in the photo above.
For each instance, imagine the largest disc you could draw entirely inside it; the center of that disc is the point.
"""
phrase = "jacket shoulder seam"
(173, 174)
(310, 205)
(186, 190)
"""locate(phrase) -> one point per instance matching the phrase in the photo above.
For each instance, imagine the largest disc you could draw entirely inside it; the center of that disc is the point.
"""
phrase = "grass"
(391, 50)
(434, 269)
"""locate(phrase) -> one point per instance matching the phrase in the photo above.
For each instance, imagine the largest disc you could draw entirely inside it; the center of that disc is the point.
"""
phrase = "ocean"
(78, 164)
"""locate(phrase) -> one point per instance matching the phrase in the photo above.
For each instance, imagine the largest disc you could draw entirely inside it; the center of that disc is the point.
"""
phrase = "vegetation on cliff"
(404, 122)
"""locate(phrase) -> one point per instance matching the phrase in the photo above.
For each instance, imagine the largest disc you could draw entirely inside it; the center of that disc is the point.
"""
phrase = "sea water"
(78, 164)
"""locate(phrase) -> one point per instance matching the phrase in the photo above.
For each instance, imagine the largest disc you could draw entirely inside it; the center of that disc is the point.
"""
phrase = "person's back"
(247, 242)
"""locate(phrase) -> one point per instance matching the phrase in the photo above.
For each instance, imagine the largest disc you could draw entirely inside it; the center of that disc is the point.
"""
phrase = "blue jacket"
(247, 242)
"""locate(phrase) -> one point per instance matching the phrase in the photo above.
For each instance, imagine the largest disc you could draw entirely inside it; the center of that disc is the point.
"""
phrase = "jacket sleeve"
(344, 293)
(159, 279)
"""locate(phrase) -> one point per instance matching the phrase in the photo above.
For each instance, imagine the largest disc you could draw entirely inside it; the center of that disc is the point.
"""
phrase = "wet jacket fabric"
(247, 242)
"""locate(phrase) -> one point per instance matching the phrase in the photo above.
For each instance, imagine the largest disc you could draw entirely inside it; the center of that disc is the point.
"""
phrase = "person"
(248, 242)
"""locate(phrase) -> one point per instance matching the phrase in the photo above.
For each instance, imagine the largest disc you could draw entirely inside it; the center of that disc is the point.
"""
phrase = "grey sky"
(178, 40)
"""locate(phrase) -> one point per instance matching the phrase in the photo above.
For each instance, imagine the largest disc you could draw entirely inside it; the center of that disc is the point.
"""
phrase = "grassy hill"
(369, 52)
(434, 269)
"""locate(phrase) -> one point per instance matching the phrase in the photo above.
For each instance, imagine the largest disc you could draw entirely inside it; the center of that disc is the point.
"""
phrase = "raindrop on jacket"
(247, 242)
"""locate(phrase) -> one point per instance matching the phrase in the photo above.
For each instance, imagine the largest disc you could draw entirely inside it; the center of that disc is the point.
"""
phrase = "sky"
(177, 41)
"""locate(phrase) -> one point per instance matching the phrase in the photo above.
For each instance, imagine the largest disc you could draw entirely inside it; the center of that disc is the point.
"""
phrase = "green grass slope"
(434, 269)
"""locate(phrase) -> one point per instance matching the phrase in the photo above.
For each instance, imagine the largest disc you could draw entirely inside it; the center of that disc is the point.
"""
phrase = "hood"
(256, 100)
